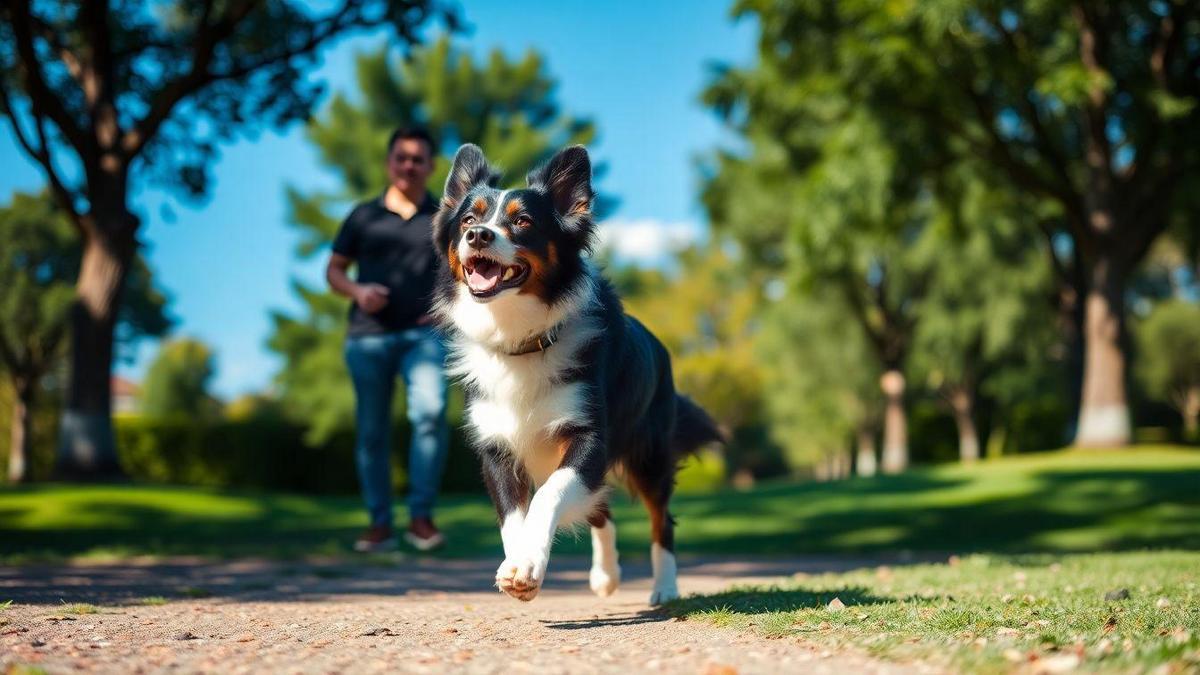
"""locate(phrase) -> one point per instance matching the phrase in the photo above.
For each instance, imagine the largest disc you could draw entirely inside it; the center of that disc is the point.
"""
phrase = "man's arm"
(369, 297)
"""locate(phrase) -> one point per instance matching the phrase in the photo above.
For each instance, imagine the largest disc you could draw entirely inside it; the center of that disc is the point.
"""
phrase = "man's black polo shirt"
(395, 253)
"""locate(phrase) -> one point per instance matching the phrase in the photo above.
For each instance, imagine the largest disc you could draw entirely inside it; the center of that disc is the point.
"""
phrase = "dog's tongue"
(484, 276)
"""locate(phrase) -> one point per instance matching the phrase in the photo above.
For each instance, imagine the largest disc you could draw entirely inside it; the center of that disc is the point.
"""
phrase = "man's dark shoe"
(423, 535)
(376, 539)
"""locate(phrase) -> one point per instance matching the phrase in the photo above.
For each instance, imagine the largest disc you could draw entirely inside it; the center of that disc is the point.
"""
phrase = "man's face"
(409, 164)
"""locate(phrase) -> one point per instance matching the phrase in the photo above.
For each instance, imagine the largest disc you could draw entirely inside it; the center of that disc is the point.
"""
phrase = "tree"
(1091, 107)
(821, 384)
(176, 384)
(826, 199)
(38, 264)
(506, 106)
(102, 95)
(1169, 365)
(989, 302)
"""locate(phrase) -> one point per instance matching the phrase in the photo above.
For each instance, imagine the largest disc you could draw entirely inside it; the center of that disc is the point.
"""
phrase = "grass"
(153, 601)
(1144, 497)
(80, 608)
(988, 613)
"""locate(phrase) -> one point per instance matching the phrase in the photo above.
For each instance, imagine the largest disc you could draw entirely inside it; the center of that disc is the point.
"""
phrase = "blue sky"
(636, 68)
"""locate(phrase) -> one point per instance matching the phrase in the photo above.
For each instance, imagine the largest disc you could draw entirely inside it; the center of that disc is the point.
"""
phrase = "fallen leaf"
(1110, 624)
(835, 605)
(1162, 603)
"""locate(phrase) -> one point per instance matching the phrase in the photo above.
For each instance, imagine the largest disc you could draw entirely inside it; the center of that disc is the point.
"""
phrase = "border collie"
(562, 386)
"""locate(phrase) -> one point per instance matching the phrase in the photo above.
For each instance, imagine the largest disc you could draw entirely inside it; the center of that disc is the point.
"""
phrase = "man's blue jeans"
(374, 361)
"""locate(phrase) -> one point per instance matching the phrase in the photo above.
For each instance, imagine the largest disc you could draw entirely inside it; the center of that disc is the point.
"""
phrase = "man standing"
(391, 332)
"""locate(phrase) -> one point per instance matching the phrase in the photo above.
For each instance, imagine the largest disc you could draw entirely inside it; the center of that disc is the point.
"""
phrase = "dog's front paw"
(604, 582)
(661, 596)
(521, 577)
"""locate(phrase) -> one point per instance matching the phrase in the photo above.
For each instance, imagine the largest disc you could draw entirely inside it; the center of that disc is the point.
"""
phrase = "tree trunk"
(1191, 413)
(1104, 410)
(865, 463)
(963, 405)
(841, 464)
(21, 433)
(86, 448)
(895, 425)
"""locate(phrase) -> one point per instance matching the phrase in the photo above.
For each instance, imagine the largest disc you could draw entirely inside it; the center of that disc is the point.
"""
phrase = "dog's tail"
(694, 428)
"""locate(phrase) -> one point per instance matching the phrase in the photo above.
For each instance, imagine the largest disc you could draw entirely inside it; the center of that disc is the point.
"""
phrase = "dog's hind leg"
(606, 573)
(662, 546)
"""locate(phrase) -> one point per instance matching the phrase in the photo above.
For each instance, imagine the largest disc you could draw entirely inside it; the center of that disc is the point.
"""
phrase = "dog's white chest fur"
(520, 402)
(519, 406)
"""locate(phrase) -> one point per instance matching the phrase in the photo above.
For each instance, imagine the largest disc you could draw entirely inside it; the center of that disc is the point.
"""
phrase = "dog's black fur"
(629, 416)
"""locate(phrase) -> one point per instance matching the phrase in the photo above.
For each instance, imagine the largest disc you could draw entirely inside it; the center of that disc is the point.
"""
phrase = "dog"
(562, 386)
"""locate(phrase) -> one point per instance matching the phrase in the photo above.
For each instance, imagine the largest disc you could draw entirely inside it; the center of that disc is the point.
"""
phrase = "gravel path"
(340, 616)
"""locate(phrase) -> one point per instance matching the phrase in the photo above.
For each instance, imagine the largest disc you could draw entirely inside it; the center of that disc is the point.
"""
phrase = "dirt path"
(410, 616)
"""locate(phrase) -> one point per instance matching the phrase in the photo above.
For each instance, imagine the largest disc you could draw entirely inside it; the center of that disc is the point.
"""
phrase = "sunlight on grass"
(80, 608)
(153, 601)
(988, 613)
(1059, 501)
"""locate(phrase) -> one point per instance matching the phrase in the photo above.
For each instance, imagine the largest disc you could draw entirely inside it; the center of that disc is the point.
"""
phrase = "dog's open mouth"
(487, 277)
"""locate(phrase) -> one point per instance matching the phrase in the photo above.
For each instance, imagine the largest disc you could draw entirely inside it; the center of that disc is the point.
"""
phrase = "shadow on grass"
(772, 599)
(1055, 509)
(1093, 510)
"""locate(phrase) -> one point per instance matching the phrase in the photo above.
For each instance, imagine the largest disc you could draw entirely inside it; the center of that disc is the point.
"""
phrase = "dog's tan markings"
(454, 262)
(580, 208)
(539, 269)
(513, 207)
(480, 205)
(599, 516)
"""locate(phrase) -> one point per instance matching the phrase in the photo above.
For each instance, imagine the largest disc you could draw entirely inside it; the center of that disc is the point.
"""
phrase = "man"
(391, 332)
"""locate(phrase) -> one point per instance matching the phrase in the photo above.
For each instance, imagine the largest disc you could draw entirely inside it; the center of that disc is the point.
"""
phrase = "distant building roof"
(123, 387)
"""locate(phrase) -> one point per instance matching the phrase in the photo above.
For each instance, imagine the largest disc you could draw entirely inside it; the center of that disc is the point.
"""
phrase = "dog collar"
(539, 343)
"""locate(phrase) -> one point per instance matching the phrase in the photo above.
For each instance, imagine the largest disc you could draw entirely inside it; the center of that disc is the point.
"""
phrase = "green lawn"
(1147, 497)
(987, 613)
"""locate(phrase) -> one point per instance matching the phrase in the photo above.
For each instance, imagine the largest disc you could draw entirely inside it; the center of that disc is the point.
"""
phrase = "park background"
(934, 265)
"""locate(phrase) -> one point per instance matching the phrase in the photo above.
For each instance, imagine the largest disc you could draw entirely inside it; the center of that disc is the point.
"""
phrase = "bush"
(266, 452)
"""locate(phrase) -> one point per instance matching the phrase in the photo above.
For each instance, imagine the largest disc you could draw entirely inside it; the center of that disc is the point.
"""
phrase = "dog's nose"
(480, 237)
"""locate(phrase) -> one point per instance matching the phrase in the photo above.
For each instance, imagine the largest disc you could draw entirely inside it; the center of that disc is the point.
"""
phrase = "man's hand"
(371, 298)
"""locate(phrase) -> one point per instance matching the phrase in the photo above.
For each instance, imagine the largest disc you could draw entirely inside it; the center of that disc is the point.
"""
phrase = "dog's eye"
(468, 220)
(523, 221)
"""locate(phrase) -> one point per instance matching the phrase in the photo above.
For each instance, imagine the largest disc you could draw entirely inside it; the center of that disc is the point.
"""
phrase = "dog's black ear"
(567, 178)
(469, 169)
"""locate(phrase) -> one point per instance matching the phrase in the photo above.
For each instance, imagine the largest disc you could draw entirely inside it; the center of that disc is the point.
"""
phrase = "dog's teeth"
(508, 273)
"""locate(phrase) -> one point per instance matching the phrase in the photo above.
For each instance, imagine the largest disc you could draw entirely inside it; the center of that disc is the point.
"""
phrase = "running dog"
(562, 385)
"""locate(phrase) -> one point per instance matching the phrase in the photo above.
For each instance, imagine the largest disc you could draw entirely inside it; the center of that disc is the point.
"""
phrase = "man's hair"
(412, 133)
